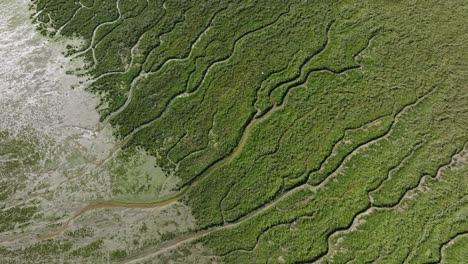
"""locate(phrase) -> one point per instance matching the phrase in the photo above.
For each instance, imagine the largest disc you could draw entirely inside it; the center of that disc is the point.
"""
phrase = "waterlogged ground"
(57, 158)
(288, 131)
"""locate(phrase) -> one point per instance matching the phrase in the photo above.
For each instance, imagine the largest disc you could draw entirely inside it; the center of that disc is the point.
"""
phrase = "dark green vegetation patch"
(301, 130)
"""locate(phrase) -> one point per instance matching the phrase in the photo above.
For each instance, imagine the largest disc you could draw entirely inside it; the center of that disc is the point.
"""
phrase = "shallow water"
(35, 92)
(41, 111)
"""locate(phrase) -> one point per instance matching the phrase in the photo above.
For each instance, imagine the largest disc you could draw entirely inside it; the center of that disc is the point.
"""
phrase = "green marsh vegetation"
(316, 130)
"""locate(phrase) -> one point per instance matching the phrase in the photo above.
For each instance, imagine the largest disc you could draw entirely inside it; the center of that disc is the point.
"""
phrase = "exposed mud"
(55, 154)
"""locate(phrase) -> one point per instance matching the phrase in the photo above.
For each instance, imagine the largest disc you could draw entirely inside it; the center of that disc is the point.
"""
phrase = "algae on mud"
(56, 158)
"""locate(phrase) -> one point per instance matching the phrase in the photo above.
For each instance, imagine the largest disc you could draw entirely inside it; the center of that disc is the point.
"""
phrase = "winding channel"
(254, 120)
